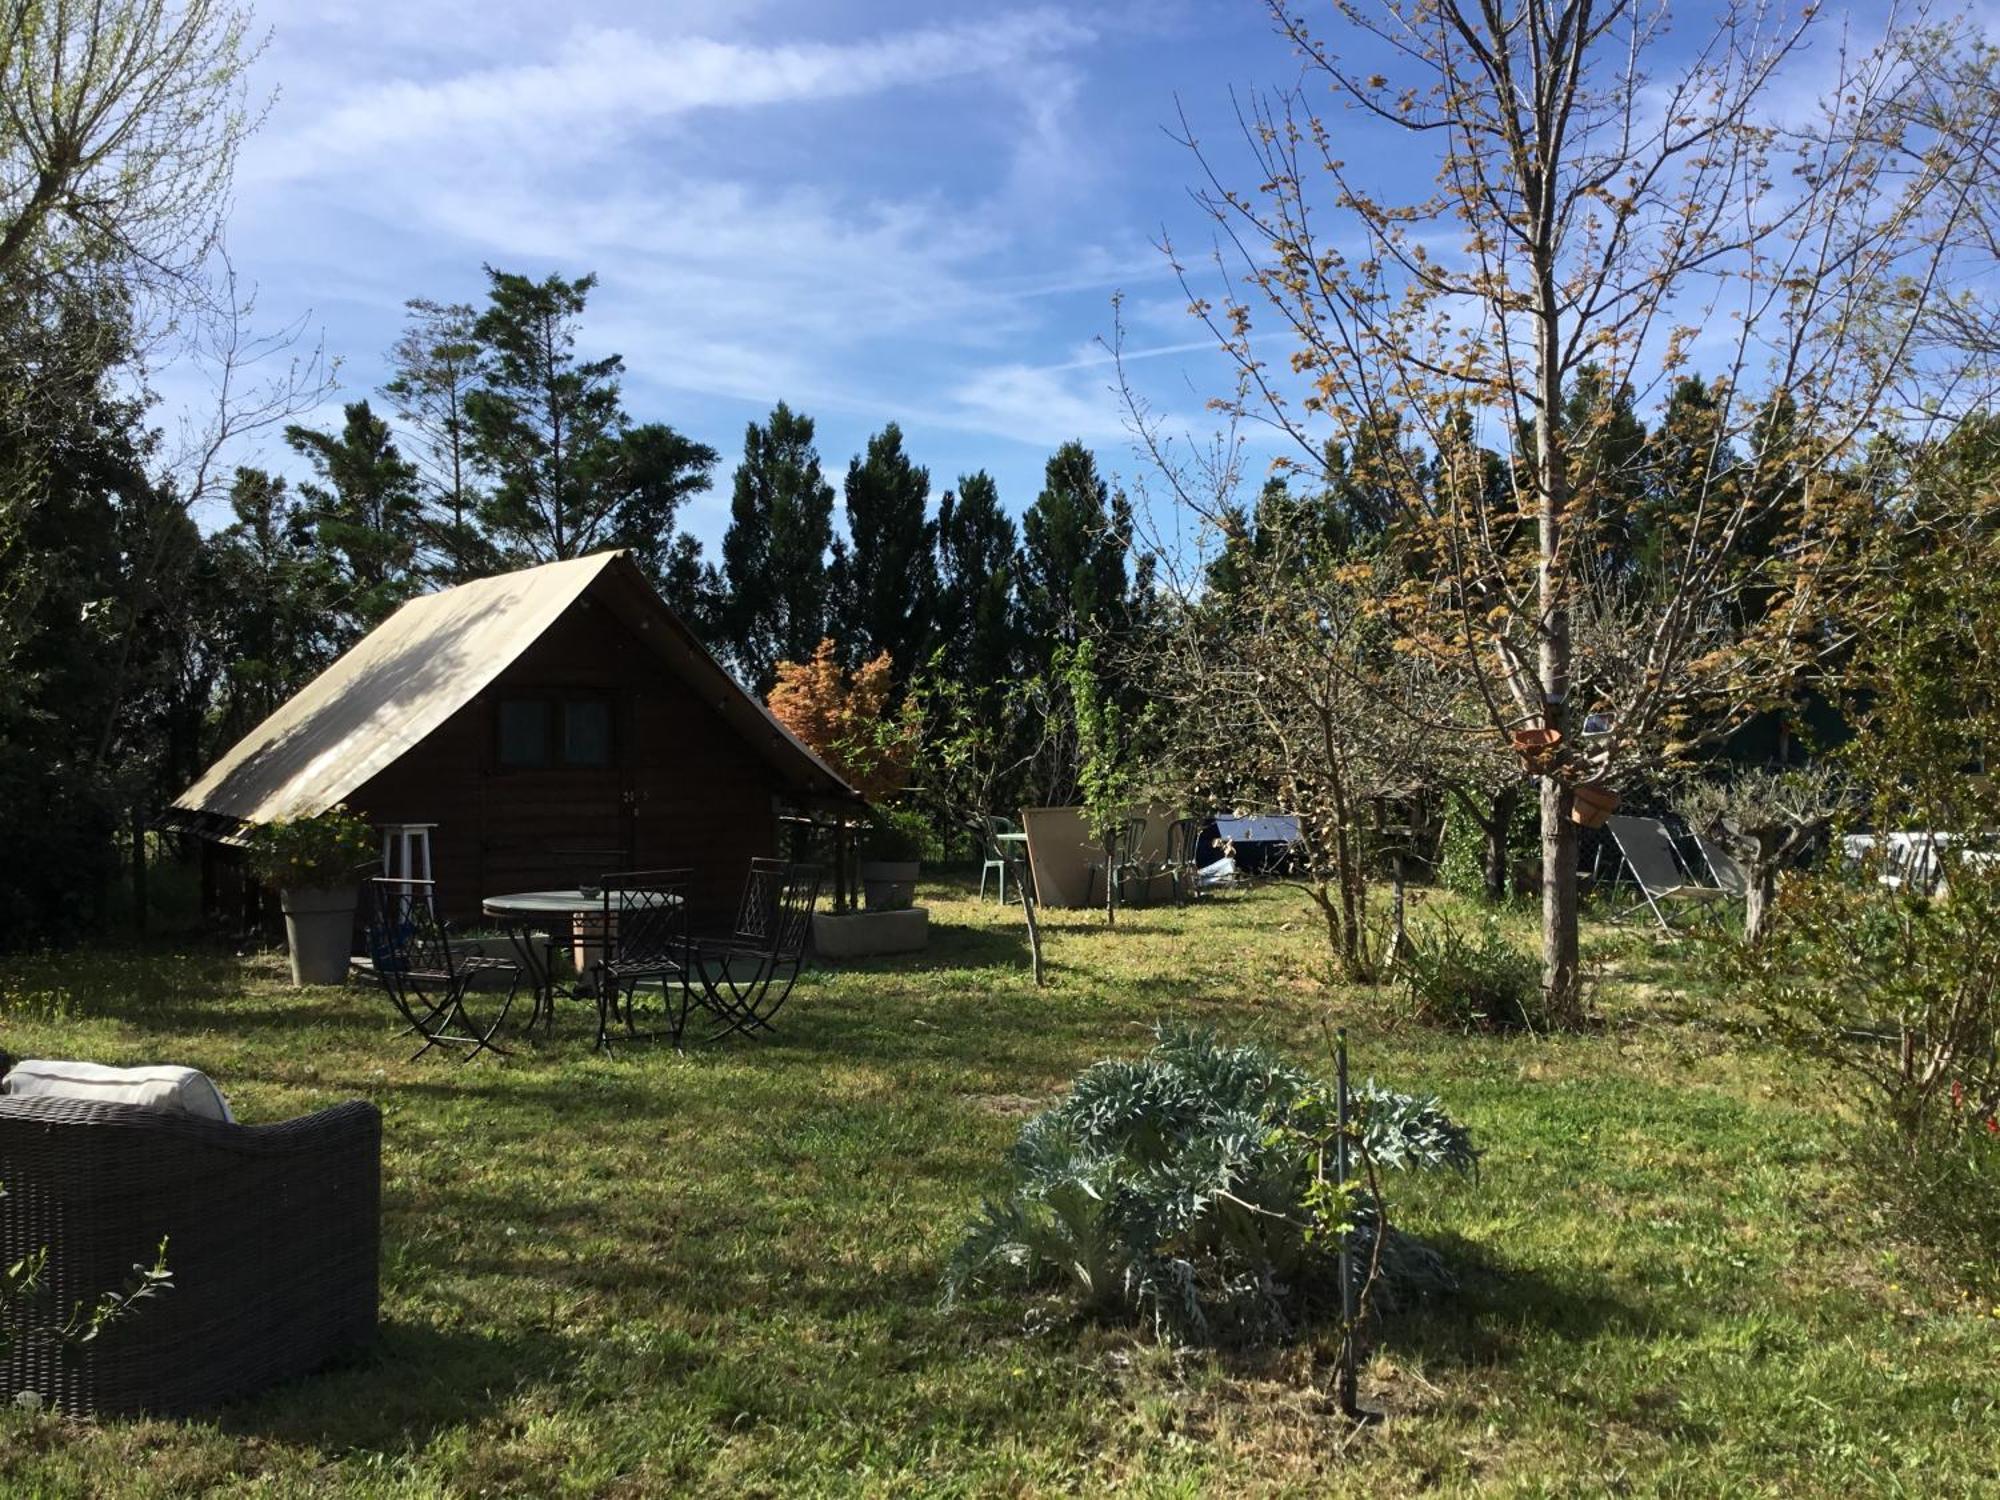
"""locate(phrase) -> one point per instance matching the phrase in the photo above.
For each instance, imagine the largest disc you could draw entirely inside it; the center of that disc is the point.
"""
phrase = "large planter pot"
(889, 884)
(319, 932)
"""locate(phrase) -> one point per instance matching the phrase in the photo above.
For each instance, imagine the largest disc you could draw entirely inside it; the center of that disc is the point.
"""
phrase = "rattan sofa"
(274, 1239)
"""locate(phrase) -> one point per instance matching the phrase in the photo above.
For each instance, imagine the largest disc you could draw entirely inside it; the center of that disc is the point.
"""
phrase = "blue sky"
(876, 212)
(873, 211)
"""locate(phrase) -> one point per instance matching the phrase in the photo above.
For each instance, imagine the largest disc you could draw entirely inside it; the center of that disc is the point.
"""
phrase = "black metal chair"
(746, 975)
(644, 930)
(1126, 862)
(427, 981)
(1181, 865)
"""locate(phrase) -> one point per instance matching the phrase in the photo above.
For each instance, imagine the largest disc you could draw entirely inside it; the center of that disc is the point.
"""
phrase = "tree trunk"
(1110, 885)
(1561, 985)
(1494, 828)
(139, 894)
(1399, 933)
(1760, 889)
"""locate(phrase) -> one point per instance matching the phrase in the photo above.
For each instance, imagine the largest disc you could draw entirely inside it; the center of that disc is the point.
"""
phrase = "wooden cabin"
(549, 725)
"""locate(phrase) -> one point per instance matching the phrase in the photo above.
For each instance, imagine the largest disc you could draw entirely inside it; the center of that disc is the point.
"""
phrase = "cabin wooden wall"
(683, 789)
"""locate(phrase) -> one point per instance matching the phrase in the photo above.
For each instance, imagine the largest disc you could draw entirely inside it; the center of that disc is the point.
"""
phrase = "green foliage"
(1462, 860)
(1074, 579)
(1478, 981)
(315, 853)
(1890, 977)
(1194, 1187)
(1104, 770)
(895, 834)
(363, 507)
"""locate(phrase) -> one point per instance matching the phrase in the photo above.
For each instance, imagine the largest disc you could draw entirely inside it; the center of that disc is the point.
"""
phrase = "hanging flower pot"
(1537, 748)
(1591, 805)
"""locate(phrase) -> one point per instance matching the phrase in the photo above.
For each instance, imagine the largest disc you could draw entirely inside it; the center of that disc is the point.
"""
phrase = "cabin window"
(543, 732)
(586, 730)
(524, 732)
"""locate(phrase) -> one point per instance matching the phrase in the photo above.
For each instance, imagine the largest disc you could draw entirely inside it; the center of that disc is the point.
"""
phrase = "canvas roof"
(434, 656)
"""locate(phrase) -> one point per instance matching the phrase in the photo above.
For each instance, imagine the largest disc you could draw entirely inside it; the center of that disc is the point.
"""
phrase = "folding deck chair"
(1648, 852)
(1722, 867)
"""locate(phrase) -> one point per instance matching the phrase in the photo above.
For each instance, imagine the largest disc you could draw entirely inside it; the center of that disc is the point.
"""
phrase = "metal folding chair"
(1722, 866)
(747, 974)
(429, 982)
(643, 926)
(1648, 852)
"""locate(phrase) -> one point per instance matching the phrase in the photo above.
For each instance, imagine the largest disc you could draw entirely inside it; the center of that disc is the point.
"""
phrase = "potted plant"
(891, 851)
(315, 863)
(1592, 803)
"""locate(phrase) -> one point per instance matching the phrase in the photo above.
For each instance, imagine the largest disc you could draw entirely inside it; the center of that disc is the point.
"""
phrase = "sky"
(874, 212)
(884, 211)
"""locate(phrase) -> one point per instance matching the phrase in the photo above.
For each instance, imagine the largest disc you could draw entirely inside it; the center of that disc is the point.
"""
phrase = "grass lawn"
(718, 1273)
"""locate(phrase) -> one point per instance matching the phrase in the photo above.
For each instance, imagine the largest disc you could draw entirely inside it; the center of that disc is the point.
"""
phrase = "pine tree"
(883, 592)
(438, 363)
(364, 510)
(774, 554)
(571, 474)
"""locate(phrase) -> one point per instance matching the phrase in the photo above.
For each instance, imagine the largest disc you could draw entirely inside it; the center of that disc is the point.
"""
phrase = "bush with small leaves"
(1476, 980)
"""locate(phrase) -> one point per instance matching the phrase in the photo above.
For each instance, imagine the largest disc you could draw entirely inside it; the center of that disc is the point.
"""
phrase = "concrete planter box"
(319, 933)
(868, 934)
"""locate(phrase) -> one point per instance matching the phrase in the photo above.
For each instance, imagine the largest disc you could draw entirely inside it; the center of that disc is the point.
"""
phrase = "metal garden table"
(537, 923)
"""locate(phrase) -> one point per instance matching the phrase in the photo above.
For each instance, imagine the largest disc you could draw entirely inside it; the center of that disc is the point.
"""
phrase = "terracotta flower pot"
(1537, 747)
(1591, 805)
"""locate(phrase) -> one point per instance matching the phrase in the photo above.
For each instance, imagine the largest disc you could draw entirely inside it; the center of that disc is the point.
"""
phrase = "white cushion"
(182, 1090)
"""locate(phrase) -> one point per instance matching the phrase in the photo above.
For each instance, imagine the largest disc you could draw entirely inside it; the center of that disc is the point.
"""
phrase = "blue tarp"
(1266, 828)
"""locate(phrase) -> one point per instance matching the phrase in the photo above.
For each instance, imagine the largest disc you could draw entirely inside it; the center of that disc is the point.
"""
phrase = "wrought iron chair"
(1126, 861)
(427, 980)
(643, 927)
(746, 975)
(998, 855)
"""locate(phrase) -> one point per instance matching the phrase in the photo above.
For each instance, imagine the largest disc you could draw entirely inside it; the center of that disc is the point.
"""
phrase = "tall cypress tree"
(978, 625)
(883, 592)
(774, 554)
(1074, 582)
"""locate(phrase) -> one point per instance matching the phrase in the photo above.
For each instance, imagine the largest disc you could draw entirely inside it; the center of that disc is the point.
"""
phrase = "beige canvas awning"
(434, 656)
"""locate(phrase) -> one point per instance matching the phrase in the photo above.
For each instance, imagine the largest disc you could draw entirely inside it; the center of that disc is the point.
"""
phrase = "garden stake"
(1347, 1404)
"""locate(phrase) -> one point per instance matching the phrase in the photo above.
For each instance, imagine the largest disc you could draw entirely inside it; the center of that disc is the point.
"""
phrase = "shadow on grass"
(413, 1384)
(1499, 1308)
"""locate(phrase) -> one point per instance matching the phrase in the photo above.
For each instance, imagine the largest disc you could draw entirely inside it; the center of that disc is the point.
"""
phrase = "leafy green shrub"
(1477, 981)
(1462, 847)
(324, 850)
(1194, 1187)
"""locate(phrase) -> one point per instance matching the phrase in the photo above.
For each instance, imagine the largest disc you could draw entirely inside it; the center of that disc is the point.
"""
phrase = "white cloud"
(604, 83)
